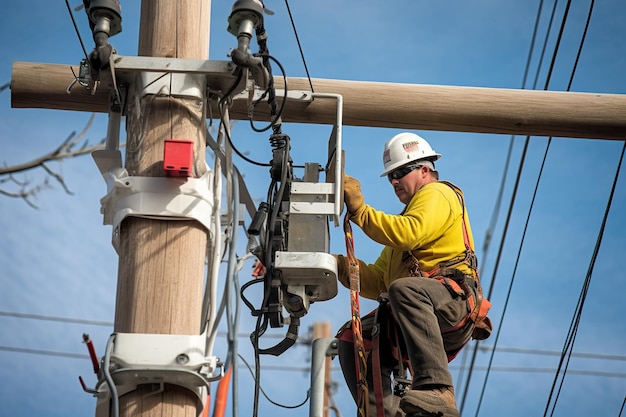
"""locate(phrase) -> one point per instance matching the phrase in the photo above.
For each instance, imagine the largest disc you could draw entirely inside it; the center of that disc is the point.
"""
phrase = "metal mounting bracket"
(315, 270)
(166, 198)
(136, 359)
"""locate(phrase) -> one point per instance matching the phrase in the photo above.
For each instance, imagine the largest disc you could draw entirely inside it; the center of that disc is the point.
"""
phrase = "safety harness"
(450, 276)
(455, 280)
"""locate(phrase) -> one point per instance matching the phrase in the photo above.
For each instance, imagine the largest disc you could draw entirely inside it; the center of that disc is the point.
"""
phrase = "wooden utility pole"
(321, 330)
(161, 264)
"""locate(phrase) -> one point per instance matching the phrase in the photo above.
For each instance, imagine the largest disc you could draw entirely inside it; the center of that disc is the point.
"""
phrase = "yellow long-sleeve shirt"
(430, 226)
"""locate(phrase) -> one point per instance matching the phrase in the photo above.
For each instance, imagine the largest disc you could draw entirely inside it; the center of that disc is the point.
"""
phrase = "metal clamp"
(168, 198)
(134, 359)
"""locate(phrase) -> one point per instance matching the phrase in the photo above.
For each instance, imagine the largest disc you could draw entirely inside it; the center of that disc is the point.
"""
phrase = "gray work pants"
(423, 308)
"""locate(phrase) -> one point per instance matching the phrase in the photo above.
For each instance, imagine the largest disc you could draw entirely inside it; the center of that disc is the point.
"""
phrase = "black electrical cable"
(261, 322)
(573, 330)
(267, 397)
(567, 349)
(295, 32)
(550, 72)
(232, 145)
(264, 53)
(80, 39)
(220, 106)
(509, 215)
(271, 100)
(496, 209)
(275, 200)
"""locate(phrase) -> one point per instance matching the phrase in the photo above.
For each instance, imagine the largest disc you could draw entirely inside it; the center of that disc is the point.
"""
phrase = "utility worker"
(426, 272)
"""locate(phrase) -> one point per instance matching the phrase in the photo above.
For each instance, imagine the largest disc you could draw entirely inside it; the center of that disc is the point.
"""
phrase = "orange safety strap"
(359, 346)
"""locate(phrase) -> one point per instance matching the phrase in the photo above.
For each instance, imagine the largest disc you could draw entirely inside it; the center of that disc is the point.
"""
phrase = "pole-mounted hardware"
(167, 198)
(135, 359)
(245, 17)
(105, 20)
(299, 269)
(105, 16)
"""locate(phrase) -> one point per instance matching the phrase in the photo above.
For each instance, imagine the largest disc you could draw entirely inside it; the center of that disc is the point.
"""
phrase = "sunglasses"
(401, 172)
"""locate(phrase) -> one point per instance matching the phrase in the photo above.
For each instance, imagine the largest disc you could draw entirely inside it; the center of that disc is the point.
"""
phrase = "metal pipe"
(338, 145)
(321, 348)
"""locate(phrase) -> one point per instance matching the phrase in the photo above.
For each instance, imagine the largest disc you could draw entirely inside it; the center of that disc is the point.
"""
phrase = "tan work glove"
(352, 194)
(342, 270)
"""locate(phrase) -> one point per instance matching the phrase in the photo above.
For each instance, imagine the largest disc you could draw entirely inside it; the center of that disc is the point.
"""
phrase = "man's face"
(406, 186)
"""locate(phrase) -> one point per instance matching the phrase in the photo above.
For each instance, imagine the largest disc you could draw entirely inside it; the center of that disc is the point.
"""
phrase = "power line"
(308, 341)
(57, 319)
(515, 369)
(554, 353)
(496, 210)
(547, 82)
(44, 352)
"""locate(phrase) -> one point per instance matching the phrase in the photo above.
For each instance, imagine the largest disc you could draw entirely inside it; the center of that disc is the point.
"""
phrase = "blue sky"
(57, 261)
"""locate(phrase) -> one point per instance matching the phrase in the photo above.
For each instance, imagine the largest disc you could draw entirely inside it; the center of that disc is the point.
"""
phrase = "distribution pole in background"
(162, 262)
(321, 330)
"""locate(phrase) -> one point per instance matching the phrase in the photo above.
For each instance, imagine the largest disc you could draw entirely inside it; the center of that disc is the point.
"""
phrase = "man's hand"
(352, 194)
(342, 270)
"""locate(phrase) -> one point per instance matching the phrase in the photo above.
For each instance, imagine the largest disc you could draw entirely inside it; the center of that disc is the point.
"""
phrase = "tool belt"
(457, 282)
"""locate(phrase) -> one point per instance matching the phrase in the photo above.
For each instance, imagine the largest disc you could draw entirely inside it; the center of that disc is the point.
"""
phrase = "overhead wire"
(573, 330)
(513, 197)
(496, 210)
(301, 369)
(548, 79)
(304, 341)
(255, 376)
(571, 337)
(509, 216)
(295, 32)
(80, 39)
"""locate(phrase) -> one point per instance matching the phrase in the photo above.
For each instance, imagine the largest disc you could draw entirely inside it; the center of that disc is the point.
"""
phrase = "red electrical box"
(178, 157)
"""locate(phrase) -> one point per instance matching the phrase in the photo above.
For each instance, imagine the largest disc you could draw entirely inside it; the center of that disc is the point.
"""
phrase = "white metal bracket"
(313, 269)
(134, 359)
(169, 198)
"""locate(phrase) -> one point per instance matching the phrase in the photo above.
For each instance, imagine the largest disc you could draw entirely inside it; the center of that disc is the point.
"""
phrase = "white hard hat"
(404, 148)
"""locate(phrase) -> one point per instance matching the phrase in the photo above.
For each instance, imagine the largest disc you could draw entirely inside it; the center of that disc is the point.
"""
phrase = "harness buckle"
(400, 386)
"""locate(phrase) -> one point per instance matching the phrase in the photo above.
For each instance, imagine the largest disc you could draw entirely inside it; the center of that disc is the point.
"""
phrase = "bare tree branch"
(65, 150)
(25, 193)
(57, 177)
(69, 148)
